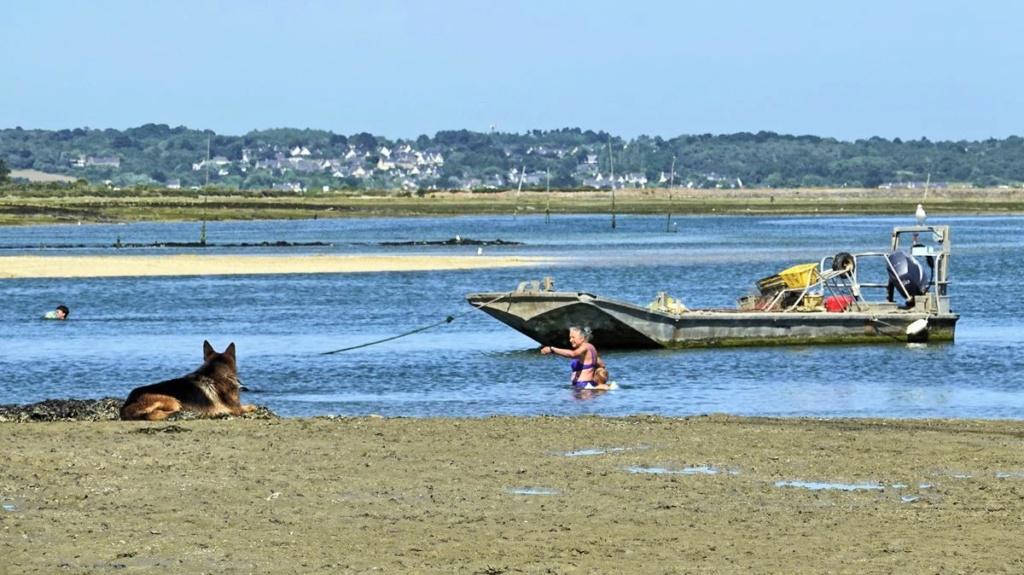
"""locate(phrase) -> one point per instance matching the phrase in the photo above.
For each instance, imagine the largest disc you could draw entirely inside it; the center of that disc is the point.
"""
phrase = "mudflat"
(642, 494)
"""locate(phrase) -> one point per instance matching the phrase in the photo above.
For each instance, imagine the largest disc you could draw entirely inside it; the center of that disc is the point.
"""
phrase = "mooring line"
(448, 319)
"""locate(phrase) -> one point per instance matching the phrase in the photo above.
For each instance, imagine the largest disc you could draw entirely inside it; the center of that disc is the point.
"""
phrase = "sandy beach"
(186, 265)
(643, 494)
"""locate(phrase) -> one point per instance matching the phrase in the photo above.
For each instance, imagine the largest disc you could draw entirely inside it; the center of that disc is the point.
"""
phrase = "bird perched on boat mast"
(920, 215)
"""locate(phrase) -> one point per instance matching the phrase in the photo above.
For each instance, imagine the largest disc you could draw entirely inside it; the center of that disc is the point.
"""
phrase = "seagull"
(920, 215)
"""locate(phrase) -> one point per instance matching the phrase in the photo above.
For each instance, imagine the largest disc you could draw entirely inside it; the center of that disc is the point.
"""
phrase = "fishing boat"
(884, 296)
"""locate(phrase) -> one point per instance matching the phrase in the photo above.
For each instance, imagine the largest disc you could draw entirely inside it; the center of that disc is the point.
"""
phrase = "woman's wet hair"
(584, 331)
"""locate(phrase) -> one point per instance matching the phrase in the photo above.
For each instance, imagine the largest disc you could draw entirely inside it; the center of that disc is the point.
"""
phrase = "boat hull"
(546, 316)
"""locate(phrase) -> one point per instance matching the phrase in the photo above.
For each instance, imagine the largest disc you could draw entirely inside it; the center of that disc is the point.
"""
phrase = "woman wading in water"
(588, 370)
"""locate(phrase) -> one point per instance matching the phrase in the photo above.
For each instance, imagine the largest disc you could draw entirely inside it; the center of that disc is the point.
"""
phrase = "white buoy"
(917, 326)
(920, 215)
(479, 251)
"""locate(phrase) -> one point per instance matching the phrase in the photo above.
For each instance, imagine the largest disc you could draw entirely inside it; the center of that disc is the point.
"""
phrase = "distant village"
(406, 168)
(155, 156)
(401, 168)
(409, 169)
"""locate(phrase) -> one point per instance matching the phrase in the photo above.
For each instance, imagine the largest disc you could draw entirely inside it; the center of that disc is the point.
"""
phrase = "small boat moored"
(834, 301)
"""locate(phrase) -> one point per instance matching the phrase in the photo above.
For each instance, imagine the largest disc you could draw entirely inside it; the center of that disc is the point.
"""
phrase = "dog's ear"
(207, 349)
(230, 351)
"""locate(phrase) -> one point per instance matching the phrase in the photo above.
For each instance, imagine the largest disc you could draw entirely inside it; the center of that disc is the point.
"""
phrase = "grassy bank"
(70, 206)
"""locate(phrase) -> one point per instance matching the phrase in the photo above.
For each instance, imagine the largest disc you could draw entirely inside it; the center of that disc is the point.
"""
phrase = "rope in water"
(448, 319)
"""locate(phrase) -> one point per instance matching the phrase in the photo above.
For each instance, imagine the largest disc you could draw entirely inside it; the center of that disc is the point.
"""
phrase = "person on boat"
(585, 360)
(61, 313)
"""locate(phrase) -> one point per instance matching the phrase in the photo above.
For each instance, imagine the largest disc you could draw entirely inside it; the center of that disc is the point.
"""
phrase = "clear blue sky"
(944, 70)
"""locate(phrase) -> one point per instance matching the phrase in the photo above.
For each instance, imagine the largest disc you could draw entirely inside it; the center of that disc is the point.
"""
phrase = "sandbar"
(195, 265)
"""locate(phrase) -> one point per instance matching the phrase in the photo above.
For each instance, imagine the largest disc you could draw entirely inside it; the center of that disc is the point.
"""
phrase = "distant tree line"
(155, 155)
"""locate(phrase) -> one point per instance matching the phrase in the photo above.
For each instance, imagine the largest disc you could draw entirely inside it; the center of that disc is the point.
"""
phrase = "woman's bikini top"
(577, 366)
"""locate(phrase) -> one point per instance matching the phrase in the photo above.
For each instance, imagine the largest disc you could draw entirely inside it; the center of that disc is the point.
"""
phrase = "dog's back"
(212, 390)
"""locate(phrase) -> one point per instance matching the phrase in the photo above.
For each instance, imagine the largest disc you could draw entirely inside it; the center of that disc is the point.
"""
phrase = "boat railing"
(845, 283)
(933, 243)
(855, 292)
(838, 283)
(848, 283)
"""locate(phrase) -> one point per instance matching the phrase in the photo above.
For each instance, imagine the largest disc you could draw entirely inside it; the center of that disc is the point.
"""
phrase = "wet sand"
(513, 495)
(186, 265)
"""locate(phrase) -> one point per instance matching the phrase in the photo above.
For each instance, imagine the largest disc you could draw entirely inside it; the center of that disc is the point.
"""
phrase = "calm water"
(126, 332)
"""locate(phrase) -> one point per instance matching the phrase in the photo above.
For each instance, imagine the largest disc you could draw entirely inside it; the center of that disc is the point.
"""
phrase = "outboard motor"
(908, 274)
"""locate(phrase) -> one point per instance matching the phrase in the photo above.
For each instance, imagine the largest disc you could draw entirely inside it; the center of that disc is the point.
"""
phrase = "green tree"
(5, 172)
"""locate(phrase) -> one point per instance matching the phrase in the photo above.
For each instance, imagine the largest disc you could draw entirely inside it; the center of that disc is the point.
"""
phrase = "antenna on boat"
(671, 182)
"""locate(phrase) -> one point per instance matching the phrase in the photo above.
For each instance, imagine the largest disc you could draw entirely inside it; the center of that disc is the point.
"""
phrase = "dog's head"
(220, 366)
(209, 352)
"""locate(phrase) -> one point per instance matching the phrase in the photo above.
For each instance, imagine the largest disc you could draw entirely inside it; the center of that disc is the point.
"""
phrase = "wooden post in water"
(202, 230)
(547, 209)
(611, 170)
(207, 163)
(671, 182)
(515, 214)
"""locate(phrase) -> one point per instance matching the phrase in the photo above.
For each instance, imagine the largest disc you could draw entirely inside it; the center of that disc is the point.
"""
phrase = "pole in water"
(519, 190)
(547, 209)
(671, 182)
(611, 170)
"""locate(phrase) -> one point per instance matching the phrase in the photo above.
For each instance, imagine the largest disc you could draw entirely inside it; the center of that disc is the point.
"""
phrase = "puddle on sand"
(10, 506)
(532, 491)
(598, 451)
(701, 470)
(1007, 474)
(820, 485)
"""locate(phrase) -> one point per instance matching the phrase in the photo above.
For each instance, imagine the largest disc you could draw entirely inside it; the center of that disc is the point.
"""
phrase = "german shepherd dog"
(212, 390)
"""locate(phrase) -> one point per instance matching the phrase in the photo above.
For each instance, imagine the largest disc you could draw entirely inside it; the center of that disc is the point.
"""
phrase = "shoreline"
(199, 265)
(225, 205)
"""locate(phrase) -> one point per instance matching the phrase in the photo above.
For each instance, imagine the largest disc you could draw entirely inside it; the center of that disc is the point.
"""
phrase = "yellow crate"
(813, 301)
(800, 276)
(771, 285)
